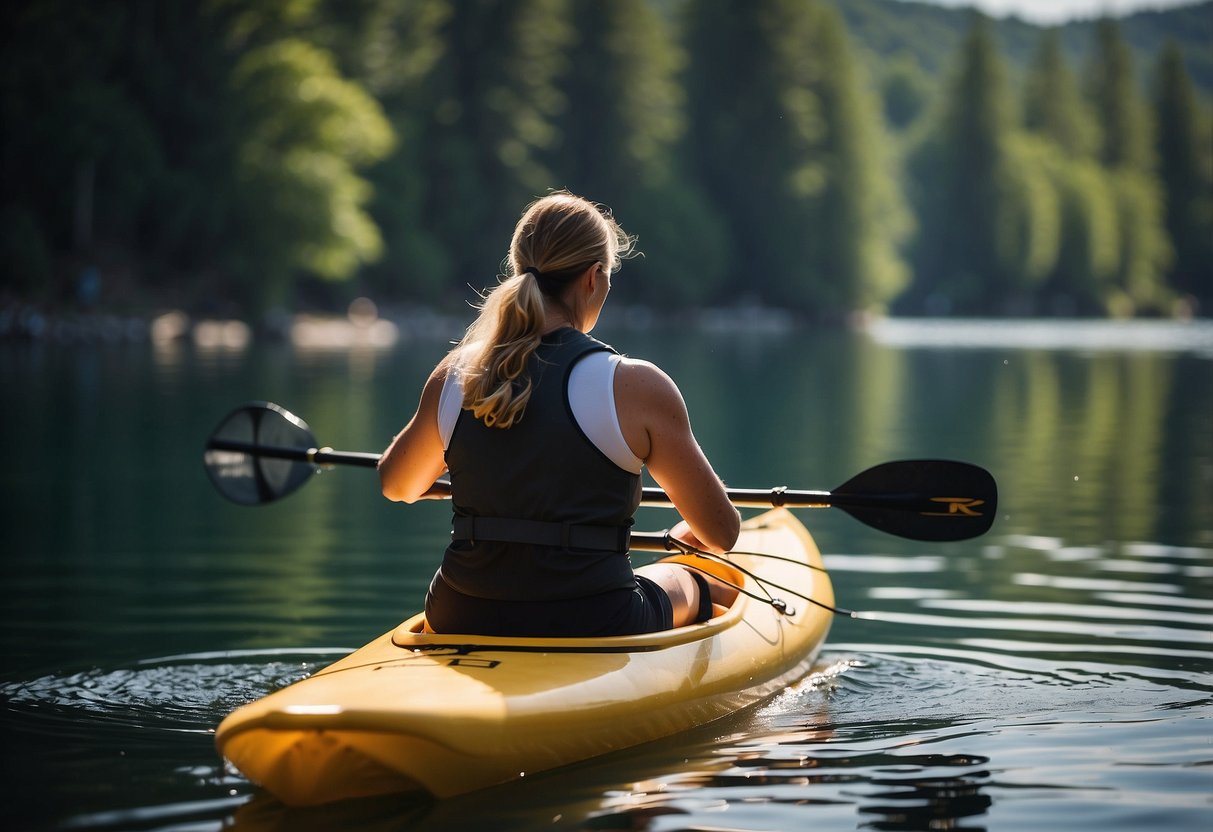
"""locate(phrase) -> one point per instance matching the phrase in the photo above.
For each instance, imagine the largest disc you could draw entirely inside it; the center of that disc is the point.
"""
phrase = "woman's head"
(558, 239)
(560, 236)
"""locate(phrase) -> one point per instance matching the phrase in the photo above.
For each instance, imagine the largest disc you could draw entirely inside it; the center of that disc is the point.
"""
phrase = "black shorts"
(645, 608)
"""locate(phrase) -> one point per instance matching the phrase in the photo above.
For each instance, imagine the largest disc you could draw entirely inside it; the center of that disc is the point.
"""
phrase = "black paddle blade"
(922, 499)
(248, 477)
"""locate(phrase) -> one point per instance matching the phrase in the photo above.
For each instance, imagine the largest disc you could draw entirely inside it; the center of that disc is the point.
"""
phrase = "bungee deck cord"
(766, 585)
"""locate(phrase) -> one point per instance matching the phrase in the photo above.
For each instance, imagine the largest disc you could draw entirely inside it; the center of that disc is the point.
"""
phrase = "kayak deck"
(448, 714)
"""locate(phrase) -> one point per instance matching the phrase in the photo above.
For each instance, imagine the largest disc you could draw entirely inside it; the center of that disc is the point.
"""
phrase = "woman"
(544, 432)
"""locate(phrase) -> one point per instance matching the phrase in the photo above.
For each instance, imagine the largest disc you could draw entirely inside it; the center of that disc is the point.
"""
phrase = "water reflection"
(922, 796)
(1055, 673)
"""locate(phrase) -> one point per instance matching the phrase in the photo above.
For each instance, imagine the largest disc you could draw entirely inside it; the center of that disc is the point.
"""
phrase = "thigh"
(616, 612)
(679, 585)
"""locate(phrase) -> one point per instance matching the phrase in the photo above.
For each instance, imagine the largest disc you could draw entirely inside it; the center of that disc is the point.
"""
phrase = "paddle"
(261, 452)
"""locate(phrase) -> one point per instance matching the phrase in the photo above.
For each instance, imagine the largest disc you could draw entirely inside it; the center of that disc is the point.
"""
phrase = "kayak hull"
(450, 714)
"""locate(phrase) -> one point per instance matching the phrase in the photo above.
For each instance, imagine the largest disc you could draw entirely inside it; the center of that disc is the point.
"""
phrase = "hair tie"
(531, 270)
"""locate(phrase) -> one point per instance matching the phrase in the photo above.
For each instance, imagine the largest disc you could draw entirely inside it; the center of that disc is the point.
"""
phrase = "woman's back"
(539, 541)
(543, 469)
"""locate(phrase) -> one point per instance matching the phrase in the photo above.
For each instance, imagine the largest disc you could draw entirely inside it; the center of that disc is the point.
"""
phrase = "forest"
(235, 157)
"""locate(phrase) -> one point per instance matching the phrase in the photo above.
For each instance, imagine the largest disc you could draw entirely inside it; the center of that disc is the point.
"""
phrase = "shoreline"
(364, 327)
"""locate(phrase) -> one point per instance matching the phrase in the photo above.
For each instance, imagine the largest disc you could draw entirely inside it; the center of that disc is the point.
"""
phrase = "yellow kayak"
(449, 714)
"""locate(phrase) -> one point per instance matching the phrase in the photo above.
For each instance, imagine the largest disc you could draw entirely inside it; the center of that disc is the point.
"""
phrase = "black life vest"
(540, 513)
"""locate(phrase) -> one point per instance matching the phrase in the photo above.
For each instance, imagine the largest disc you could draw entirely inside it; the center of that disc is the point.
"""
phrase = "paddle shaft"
(644, 541)
(743, 497)
(316, 456)
(923, 499)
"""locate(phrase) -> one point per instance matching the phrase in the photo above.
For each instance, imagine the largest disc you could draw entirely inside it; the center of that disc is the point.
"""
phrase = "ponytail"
(493, 355)
(557, 238)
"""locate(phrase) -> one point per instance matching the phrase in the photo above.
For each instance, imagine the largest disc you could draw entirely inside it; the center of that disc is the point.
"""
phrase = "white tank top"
(591, 398)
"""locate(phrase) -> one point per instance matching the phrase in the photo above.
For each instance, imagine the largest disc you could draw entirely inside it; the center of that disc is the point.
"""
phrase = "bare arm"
(655, 424)
(415, 458)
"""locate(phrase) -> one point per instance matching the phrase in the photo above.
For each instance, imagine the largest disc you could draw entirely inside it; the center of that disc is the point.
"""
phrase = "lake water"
(1054, 674)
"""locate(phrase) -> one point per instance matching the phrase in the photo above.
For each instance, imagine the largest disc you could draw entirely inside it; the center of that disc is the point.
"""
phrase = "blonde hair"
(557, 238)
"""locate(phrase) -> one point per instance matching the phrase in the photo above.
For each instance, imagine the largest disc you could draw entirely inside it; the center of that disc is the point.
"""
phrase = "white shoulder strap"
(592, 400)
(450, 402)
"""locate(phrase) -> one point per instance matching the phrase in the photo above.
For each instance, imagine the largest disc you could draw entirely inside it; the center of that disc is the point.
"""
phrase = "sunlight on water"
(180, 817)
(842, 742)
(1167, 336)
(1054, 674)
(881, 564)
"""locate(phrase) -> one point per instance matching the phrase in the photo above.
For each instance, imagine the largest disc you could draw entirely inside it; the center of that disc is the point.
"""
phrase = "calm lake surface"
(1054, 674)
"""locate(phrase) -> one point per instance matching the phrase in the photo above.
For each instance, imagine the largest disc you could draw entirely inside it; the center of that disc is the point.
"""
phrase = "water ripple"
(180, 693)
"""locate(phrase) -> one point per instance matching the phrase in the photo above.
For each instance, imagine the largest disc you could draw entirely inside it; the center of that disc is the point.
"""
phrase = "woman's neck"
(555, 319)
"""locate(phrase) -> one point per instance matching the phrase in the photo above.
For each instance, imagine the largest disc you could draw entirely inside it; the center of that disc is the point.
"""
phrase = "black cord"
(766, 585)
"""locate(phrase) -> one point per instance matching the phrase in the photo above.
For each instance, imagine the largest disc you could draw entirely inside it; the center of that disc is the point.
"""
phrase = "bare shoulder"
(438, 374)
(644, 383)
(433, 386)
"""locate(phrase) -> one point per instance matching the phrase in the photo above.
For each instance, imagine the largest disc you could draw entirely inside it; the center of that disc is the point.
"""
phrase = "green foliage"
(970, 202)
(619, 130)
(786, 139)
(1145, 251)
(624, 105)
(80, 153)
(685, 245)
(905, 91)
(306, 129)
(749, 78)
(1083, 277)
(1053, 104)
(932, 33)
(1184, 149)
(1032, 239)
(1119, 108)
(222, 152)
(1128, 153)
(482, 124)
(393, 49)
(214, 138)
(861, 218)
(1066, 217)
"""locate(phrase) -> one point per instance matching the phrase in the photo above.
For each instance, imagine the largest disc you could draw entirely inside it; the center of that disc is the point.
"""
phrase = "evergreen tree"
(1033, 219)
(964, 180)
(1053, 105)
(1128, 154)
(84, 157)
(754, 123)
(625, 113)
(208, 139)
(1145, 251)
(860, 217)
(1087, 251)
(1112, 86)
(1186, 179)
(786, 141)
(393, 49)
(487, 124)
(1089, 246)
(624, 103)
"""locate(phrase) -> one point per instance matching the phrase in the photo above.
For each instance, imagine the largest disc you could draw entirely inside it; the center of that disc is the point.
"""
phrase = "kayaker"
(544, 431)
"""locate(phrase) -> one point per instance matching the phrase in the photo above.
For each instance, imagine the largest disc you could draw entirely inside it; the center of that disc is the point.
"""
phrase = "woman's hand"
(683, 534)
